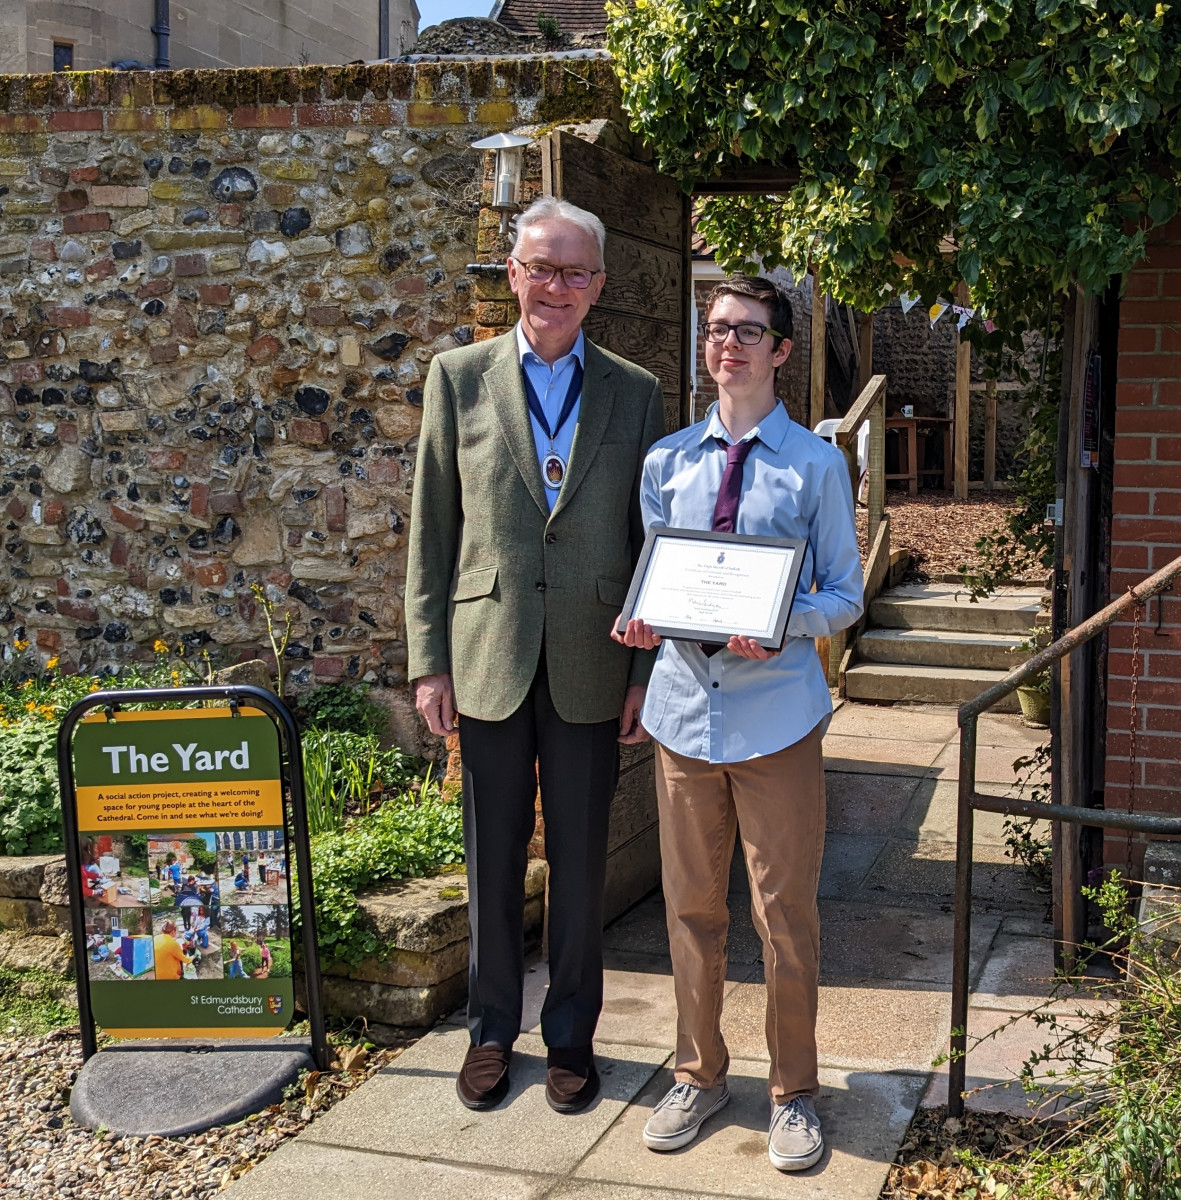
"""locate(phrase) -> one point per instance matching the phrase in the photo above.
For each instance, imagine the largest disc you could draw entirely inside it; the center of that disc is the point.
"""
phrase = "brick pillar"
(1146, 534)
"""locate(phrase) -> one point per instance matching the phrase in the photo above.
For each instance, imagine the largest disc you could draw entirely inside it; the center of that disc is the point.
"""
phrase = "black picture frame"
(685, 633)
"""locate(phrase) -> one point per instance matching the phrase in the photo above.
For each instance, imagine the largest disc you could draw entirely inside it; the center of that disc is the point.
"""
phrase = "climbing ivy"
(1016, 145)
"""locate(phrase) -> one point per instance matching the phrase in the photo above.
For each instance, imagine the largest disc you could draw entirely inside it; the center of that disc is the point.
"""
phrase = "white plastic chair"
(827, 429)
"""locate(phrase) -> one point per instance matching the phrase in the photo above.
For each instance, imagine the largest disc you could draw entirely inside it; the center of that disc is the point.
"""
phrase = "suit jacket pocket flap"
(612, 592)
(472, 584)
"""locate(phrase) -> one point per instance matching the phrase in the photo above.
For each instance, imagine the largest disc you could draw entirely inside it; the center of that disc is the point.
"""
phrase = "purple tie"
(726, 505)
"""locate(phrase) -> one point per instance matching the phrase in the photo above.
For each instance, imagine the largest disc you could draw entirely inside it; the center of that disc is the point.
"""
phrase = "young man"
(738, 727)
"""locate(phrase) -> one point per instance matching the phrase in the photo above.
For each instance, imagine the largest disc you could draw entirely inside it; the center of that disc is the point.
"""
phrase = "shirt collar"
(771, 430)
(525, 352)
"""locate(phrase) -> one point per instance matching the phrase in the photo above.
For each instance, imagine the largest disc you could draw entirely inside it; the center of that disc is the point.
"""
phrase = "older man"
(524, 533)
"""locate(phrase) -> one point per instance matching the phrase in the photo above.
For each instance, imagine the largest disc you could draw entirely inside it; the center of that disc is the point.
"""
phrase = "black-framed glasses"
(543, 272)
(749, 333)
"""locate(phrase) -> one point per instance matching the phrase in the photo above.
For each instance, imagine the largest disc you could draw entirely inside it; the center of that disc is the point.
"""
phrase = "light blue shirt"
(726, 708)
(550, 384)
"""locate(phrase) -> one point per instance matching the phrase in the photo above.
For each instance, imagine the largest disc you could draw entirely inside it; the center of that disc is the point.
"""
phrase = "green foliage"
(30, 812)
(1041, 135)
(251, 956)
(31, 1003)
(1028, 842)
(204, 859)
(549, 29)
(404, 838)
(342, 771)
(1121, 1065)
(342, 706)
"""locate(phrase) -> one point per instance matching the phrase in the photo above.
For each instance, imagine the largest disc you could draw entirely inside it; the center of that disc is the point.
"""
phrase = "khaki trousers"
(777, 802)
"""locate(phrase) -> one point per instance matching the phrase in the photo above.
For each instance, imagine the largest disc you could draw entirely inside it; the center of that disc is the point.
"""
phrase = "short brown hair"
(762, 290)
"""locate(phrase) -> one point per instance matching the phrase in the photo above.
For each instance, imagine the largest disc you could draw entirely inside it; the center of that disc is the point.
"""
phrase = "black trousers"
(577, 767)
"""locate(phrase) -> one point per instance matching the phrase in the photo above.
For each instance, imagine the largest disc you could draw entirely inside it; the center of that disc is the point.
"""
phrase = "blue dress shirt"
(550, 384)
(794, 485)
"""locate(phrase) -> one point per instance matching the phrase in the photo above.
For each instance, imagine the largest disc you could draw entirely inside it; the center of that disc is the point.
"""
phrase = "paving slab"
(305, 1170)
(643, 930)
(1019, 974)
(861, 943)
(998, 1044)
(1007, 729)
(928, 868)
(908, 722)
(857, 1028)
(933, 811)
(879, 756)
(867, 804)
(864, 1117)
(411, 1108)
(848, 859)
(994, 764)
(583, 1189)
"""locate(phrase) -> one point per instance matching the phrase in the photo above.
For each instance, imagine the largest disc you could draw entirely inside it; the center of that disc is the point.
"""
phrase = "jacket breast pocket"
(612, 592)
(471, 585)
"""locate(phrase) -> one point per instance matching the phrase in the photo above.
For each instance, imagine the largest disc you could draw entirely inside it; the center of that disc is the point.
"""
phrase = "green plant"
(1028, 841)
(406, 837)
(31, 1002)
(550, 30)
(343, 706)
(341, 772)
(1121, 1067)
(1015, 145)
(202, 857)
(278, 640)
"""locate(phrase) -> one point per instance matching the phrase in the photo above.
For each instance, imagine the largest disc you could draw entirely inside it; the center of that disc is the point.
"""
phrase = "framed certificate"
(705, 587)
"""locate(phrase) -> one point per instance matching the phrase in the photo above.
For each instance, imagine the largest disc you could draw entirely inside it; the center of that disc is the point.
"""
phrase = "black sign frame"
(233, 696)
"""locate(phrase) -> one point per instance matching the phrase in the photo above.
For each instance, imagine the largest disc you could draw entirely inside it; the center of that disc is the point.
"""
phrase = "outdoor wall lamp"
(510, 155)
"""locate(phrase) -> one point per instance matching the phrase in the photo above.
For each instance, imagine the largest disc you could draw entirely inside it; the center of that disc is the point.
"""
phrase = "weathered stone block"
(33, 915)
(21, 876)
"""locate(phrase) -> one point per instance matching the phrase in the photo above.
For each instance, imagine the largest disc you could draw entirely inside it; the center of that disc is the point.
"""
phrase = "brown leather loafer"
(571, 1081)
(483, 1079)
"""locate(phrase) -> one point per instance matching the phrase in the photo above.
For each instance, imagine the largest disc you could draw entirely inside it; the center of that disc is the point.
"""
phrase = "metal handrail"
(971, 800)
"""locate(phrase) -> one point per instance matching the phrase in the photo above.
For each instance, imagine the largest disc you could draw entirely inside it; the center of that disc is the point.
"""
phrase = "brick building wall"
(1146, 534)
(219, 296)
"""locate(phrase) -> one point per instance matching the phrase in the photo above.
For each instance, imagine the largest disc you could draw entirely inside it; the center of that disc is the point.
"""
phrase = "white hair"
(549, 208)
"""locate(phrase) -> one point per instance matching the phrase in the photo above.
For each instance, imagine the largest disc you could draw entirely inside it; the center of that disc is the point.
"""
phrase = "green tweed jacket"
(491, 569)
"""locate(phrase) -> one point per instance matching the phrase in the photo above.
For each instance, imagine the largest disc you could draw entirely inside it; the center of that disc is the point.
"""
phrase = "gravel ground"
(940, 531)
(45, 1156)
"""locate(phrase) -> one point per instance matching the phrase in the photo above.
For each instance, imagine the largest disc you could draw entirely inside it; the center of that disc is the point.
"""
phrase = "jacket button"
(550, 538)
(541, 587)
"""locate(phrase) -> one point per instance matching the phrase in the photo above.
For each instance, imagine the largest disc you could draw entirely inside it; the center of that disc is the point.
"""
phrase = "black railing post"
(962, 944)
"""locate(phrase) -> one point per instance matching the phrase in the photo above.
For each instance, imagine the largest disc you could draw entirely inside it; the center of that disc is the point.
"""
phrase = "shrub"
(344, 707)
(405, 837)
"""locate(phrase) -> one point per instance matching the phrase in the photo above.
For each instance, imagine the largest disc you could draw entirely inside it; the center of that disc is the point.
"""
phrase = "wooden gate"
(644, 311)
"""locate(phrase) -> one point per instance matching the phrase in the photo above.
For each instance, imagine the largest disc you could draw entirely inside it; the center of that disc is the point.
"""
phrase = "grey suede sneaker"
(675, 1121)
(794, 1142)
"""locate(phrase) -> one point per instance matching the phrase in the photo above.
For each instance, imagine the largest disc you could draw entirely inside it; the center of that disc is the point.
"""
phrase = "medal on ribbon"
(553, 465)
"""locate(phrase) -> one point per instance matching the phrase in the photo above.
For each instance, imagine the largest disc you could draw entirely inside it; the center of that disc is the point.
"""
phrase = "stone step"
(926, 685)
(942, 648)
(946, 606)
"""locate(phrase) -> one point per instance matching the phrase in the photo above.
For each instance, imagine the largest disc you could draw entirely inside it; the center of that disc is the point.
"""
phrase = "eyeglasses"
(543, 272)
(749, 333)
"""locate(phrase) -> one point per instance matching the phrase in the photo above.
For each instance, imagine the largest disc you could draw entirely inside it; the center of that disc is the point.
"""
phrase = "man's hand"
(637, 635)
(434, 697)
(630, 730)
(746, 647)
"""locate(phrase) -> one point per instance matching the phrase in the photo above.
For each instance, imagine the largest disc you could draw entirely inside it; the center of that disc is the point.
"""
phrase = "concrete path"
(886, 910)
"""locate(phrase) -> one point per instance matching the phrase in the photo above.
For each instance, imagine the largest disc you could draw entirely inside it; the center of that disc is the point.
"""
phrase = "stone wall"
(219, 295)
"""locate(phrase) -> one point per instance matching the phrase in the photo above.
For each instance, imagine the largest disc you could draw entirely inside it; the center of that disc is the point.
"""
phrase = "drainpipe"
(161, 30)
(383, 28)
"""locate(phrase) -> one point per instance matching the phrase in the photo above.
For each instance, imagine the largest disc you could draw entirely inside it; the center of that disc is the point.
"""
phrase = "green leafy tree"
(1016, 145)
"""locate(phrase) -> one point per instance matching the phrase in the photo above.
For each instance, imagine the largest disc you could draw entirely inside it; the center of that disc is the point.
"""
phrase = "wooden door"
(644, 311)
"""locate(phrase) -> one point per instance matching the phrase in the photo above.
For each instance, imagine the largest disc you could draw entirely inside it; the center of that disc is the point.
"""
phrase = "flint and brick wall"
(1146, 535)
(219, 296)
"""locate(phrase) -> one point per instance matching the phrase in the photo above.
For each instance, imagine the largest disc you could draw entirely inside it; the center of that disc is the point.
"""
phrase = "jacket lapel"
(594, 415)
(504, 384)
